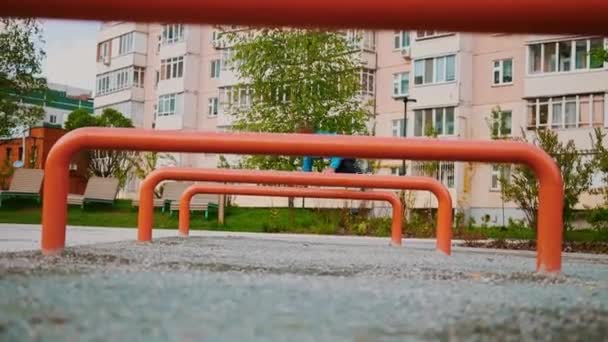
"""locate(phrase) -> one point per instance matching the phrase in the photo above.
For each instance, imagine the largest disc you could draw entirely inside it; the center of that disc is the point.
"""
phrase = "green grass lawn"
(122, 214)
(275, 220)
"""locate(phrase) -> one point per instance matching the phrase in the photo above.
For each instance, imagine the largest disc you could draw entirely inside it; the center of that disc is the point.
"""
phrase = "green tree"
(105, 163)
(600, 160)
(20, 67)
(296, 78)
(599, 55)
(522, 185)
(80, 118)
(143, 163)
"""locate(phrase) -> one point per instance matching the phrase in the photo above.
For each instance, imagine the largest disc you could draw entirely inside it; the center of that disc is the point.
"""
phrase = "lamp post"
(405, 99)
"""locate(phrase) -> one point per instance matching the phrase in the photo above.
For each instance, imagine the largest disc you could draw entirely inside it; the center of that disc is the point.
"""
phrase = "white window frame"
(226, 62)
(172, 67)
(138, 77)
(125, 43)
(52, 118)
(397, 82)
(172, 34)
(167, 104)
(434, 34)
(434, 61)
(500, 68)
(563, 101)
(215, 68)
(213, 106)
(573, 68)
(498, 171)
(362, 39)
(398, 128)
(444, 121)
(368, 79)
(500, 120)
(104, 51)
(119, 80)
(403, 40)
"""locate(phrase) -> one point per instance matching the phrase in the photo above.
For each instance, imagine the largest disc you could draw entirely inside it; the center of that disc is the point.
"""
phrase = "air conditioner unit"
(106, 60)
(405, 53)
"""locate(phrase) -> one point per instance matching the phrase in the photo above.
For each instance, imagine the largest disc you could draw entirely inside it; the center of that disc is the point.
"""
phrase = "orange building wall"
(43, 139)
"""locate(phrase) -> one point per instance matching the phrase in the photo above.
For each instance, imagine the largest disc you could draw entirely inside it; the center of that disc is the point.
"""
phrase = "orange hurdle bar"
(444, 211)
(184, 203)
(551, 191)
(524, 16)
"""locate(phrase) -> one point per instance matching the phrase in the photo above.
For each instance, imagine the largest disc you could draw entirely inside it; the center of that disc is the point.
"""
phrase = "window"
(172, 33)
(103, 84)
(402, 40)
(435, 70)
(501, 123)
(227, 62)
(580, 54)
(167, 104)
(450, 68)
(104, 50)
(125, 43)
(429, 34)
(444, 172)
(171, 68)
(213, 106)
(119, 80)
(234, 97)
(500, 172)
(398, 128)
(20, 155)
(122, 79)
(215, 68)
(596, 62)
(535, 58)
(401, 84)
(571, 111)
(215, 36)
(53, 119)
(138, 77)
(367, 81)
(362, 39)
(549, 57)
(434, 120)
(564, 56)
(503, 71)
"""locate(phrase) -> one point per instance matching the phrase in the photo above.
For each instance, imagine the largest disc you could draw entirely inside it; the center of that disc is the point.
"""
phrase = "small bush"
(598, 218)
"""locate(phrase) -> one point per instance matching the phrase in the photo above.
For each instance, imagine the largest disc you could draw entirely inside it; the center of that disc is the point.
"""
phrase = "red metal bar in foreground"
(444, 211)
(184, 203)
(520, 16)
(551, 191)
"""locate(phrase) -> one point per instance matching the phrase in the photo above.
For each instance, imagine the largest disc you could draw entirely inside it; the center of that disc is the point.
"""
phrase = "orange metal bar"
(444, 211)
(523, 16)
(184, 204)
(551, 192)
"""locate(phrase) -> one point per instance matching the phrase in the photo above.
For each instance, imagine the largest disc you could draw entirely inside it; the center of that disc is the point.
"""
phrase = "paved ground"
(245, 287)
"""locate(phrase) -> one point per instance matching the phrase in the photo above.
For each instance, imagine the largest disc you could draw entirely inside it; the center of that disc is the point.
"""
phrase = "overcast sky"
(70, 52)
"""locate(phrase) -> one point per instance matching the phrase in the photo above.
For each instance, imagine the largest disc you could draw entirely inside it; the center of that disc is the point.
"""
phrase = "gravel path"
(256, 289)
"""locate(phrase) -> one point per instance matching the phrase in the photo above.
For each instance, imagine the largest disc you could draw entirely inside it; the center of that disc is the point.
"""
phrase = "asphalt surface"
(268, 287)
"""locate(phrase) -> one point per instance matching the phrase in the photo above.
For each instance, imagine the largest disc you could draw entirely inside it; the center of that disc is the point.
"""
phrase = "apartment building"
(177, 77)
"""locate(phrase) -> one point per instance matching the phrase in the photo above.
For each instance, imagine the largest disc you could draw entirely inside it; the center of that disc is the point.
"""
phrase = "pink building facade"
(177, 77)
